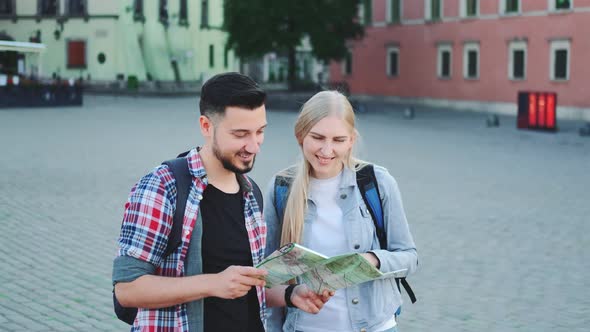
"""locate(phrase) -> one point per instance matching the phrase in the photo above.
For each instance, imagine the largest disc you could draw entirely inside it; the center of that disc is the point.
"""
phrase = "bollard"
(492, 121)
(409, 113)
(358, 107)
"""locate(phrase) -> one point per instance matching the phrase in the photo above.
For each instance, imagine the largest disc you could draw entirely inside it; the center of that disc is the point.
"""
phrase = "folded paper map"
(320, 272)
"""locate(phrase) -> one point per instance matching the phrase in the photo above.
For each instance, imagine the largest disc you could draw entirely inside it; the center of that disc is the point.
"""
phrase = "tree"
(256, 27)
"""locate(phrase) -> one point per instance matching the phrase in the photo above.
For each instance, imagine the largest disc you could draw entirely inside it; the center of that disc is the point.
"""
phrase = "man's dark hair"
(230, 89)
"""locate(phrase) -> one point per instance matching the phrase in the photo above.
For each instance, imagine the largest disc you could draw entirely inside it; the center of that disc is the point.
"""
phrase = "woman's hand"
(308, 301)
(372, 258)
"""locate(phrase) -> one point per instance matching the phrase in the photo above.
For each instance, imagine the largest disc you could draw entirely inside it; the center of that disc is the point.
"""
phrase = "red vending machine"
(537, 110)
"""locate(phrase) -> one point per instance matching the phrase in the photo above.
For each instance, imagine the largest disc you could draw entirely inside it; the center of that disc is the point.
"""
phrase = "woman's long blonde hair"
(321, 105)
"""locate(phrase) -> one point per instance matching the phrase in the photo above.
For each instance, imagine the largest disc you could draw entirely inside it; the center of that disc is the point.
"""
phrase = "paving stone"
(498, 214)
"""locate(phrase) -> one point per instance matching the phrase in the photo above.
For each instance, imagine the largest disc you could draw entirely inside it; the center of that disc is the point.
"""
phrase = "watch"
(288, 293)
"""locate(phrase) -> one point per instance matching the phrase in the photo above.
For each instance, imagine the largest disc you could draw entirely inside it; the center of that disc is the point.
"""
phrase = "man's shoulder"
(159, 174)
(158, 182)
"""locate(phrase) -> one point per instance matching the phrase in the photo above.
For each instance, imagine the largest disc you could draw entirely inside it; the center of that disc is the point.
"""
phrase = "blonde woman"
(325, 211)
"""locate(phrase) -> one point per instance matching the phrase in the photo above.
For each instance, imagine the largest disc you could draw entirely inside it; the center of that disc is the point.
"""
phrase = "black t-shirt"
(224, 243)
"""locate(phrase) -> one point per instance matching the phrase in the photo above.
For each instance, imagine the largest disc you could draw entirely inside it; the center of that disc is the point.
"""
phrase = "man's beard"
(227, 163)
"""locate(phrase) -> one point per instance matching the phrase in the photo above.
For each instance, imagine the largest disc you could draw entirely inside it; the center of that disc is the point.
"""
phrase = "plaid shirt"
(148, 221)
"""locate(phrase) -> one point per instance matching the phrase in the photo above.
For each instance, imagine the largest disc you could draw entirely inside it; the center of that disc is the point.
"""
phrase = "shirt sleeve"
(127, 269)
(147, 222)
(401, 251)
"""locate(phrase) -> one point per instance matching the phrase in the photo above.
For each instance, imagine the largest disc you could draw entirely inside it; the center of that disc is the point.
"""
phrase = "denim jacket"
(371, 303)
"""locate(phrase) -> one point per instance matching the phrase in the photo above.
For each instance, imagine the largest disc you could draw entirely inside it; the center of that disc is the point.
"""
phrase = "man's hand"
(236, 281)
(307, 300)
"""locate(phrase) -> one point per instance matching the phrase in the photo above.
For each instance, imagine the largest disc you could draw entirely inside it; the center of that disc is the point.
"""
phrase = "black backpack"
(367, 183)
(180, 171)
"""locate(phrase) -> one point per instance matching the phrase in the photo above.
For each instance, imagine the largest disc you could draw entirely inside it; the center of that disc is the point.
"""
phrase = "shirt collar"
(348, 178)
(195, 165)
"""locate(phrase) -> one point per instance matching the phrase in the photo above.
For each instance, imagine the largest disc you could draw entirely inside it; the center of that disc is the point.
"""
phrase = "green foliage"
(257, 27)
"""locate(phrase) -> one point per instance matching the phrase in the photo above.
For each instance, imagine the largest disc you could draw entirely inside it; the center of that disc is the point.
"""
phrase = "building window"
(48, 7)
(347, 63)
(204, 13)
(367, 12)
(394, 11)
(138, 10)
(560, 60)
(7, 7)
(517, 60)
(392, 61)
(471, 60)
(510, 6)
(226, 57)
(76, 7)
(433, 10)
(469, 8)
(163, 12)
(183, 13)
(211, 56)
(76, 54)
(560, 4)
(444, 61)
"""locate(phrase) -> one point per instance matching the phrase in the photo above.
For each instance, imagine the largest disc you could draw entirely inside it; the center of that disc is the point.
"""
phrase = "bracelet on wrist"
(288, 293)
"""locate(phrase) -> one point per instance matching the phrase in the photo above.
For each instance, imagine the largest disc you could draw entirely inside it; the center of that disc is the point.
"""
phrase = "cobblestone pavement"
(501, 217)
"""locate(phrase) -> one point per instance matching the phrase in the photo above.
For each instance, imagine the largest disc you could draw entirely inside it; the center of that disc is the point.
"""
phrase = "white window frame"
(463, 10)
(517, 45)
(555, 46)
(439, 66)
(471, 46)
(361, 12)
(344, 73)
(388, 17)
(503, 8)
(392, 49)
(553, 8)
(428, 11)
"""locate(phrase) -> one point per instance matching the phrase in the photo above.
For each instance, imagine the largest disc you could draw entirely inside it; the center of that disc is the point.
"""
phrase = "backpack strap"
(180, 171)
(257, 194)
(367, 183)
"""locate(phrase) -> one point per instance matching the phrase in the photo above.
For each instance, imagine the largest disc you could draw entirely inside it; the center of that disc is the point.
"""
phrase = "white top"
(327, 237)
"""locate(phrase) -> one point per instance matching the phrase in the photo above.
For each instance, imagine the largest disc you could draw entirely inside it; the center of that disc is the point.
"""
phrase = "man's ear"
(206, 126)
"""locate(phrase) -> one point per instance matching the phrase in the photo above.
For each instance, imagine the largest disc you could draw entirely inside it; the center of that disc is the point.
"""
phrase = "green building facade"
(110, 40)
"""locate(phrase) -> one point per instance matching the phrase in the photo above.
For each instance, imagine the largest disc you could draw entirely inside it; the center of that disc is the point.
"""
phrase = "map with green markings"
(318, 271)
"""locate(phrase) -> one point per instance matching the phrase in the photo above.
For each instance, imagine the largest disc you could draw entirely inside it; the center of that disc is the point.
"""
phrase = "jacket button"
(343, 196)
(355, 301)
(356, 246)
(200, 197)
